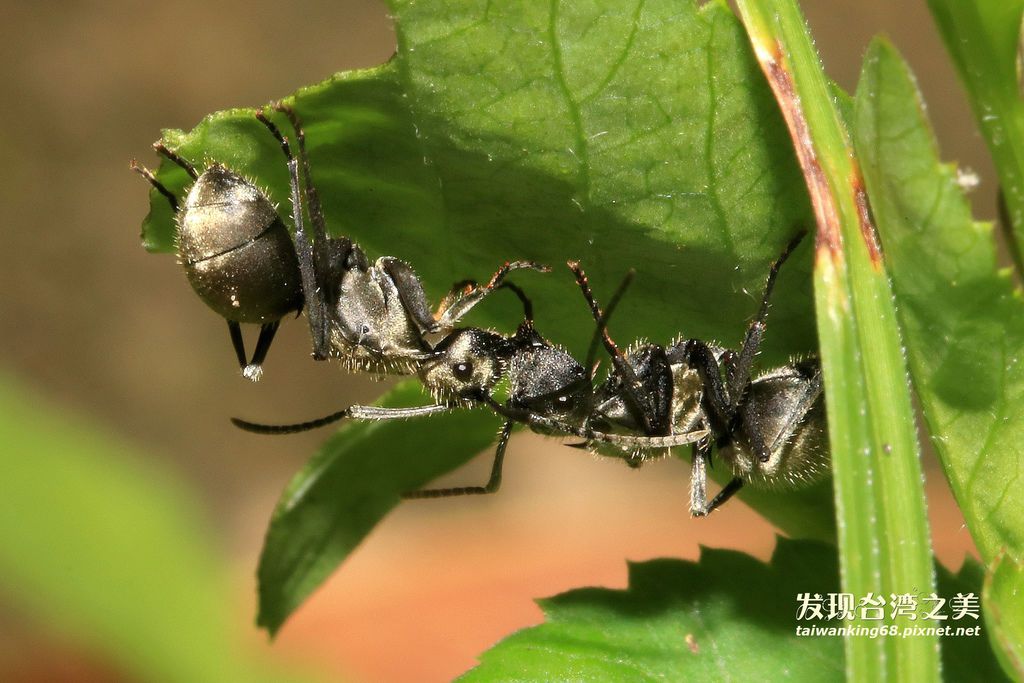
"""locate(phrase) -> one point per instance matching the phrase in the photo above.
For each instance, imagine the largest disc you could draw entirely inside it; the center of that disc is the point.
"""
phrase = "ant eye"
(462, 371)
(565, 402)
(365, 329)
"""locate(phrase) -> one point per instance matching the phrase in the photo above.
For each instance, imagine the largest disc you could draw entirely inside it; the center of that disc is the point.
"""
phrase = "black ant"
(239, 258)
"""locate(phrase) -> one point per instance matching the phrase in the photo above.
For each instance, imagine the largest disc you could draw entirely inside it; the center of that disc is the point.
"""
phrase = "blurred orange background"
(108, 332)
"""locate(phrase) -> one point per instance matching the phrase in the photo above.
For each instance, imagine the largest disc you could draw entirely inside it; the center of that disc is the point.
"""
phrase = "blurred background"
(104, 337)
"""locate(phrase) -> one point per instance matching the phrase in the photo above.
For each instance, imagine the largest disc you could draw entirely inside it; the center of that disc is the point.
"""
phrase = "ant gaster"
(236, 252)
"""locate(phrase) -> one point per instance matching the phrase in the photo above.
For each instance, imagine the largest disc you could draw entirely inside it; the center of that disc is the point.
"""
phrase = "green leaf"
(105, 548)
(963, 322)
(637, 137)
(355, 479)
(966, 658)
(726, 617)
(963, 319)
(640, 135)
(883, 531)
(1004, 612)
(984, 39)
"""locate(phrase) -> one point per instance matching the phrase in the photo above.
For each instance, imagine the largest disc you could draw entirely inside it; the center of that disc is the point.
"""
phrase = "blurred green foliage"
(106, 548)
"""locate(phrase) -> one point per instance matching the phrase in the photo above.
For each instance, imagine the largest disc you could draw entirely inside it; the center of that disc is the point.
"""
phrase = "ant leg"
(235, 330)
(316, 212)
(727, 492)
(410, 292)
(373, 413)
(466, 294)
(493, 483)
(631, 384)
(699, 355)
(523, 299)
(173, 157)
(551, 426)
(304, 250)
(601, 335)
(330, 256)
(457, 291)
(254, 370)
(699, 480)
(148, 175)
(739, 373)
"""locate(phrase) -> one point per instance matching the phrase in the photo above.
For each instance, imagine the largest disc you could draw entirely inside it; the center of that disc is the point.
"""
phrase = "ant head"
(465, 364)
(547, 380)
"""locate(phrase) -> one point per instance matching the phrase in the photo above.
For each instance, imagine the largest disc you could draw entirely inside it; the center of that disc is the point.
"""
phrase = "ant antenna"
(631, 385)
(148, 175)
(601, 332)
(258, 428)
(527, 304)
(173, 157)
(354, 412)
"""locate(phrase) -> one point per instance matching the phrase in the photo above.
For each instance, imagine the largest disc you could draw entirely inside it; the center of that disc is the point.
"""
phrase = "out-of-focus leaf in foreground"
(108, 551)
(726, 617)
(963, 322)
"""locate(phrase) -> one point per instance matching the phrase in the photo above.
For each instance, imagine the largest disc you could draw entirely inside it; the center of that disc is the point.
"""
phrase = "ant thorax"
(688, 411)
(668, 401)
(614, 411)
(546, 380)
(370, 330)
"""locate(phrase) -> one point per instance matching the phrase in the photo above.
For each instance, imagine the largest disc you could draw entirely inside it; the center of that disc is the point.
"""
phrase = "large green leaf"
(625, 136)
(637, 135)
(108, 551)
(884, 541)
(963, 321)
